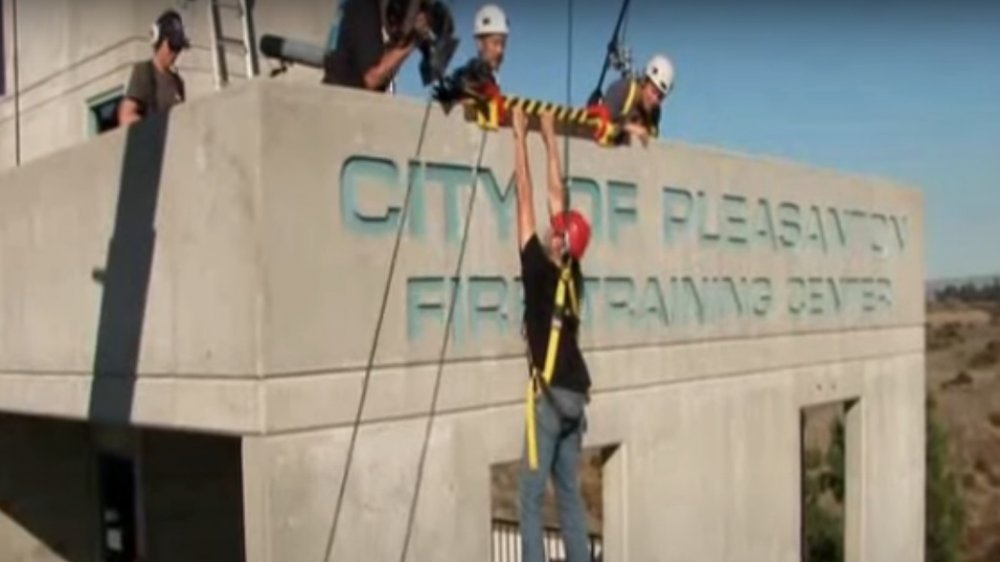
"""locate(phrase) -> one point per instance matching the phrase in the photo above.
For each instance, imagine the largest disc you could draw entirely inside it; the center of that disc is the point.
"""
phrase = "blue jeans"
(558, 455)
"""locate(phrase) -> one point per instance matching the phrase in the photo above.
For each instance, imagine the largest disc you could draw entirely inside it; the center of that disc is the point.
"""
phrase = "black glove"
(477, 71)
(447, 92)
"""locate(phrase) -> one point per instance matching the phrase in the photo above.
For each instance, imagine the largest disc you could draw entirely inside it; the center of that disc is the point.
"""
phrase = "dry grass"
(961, 379)
(986, 357)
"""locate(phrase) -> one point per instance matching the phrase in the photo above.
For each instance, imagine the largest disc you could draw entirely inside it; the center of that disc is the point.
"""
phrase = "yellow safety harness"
(537, 380)
(633, 91)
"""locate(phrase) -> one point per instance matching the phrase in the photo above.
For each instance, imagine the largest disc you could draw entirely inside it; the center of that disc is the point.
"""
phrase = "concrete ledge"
(216, 405)
(403, 393)
(250, 405)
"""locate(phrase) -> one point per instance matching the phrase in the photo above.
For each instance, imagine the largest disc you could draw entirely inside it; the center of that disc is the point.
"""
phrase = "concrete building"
(190, 326)
(66, 62)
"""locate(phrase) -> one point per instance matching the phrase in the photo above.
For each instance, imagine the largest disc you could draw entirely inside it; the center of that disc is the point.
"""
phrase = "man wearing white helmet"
(634, 103)
(491, 31)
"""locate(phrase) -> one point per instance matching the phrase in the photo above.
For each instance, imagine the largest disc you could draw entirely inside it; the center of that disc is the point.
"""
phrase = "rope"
(444, 350)
(16, 63)
(569, 88)
(366, 379)
(375, 339)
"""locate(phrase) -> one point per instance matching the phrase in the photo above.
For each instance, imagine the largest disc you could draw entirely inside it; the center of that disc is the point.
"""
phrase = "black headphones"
(170, 28)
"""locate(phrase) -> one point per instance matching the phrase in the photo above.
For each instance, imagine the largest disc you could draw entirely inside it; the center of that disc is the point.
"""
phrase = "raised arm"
(557, 187)
(522, 179)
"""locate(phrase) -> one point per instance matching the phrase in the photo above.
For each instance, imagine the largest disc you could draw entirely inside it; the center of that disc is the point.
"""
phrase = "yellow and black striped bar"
(572, 121)
(563, 113)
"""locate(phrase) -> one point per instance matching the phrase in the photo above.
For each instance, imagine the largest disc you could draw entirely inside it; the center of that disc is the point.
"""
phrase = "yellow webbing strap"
(565, 283)
(630, 98)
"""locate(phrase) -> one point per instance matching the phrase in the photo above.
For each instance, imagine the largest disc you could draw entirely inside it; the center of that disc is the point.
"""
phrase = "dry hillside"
(963, 377)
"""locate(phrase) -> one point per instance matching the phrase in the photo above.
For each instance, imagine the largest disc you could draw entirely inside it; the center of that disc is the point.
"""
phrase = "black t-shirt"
(155, 91)
(541, 278)
(359, 45)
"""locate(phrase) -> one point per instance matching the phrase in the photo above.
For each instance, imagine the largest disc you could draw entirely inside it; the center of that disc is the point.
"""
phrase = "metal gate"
(506, 543)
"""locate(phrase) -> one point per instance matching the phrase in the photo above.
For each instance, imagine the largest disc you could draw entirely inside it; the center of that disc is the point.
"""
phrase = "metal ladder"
(247, 44)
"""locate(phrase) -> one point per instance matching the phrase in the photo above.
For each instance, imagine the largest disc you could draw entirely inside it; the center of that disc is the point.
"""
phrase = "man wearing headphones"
(155, 86)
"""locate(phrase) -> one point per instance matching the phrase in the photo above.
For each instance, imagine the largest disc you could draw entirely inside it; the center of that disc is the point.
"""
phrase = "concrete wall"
(70, 52)
(250, 239)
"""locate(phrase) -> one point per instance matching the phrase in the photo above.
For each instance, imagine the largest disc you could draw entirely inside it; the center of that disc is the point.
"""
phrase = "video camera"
(437, 46)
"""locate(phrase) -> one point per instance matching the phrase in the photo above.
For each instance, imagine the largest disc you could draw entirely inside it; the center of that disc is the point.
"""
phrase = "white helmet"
(660, 72)
(490, 19)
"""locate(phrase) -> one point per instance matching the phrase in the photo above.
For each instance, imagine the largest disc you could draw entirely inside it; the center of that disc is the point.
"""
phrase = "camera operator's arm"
(377, 76)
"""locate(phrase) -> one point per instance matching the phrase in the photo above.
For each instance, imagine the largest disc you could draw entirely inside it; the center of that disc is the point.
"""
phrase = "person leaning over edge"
(155, 85)
(370, 49)
(554, 435)
(490, 29)
(634, 103)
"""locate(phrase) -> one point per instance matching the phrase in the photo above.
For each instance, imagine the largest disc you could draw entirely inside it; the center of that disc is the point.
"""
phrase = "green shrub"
(945, 511)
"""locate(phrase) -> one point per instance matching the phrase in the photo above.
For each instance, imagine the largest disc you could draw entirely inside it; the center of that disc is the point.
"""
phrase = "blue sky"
(904, 90)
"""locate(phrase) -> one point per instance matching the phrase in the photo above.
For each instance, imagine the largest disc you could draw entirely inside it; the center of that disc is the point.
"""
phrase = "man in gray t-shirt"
(155, 86)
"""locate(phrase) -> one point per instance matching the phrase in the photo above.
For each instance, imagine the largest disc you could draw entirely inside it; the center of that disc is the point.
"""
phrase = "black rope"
(623, 48)
(624, 36)
(598, 93)
(375, 339)
(444, 349)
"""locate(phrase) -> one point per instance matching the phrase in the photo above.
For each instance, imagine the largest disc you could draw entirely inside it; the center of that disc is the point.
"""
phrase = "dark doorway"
(117, 485)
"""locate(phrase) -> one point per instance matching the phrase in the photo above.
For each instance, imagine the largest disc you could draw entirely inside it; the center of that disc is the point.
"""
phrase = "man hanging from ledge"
(155, 85)
(559, 381)
(634, 103)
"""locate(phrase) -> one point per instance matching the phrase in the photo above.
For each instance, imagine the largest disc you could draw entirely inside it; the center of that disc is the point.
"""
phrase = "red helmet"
(576, 232)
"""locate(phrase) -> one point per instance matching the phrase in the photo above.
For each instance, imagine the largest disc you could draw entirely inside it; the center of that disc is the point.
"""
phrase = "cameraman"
(371, 46)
